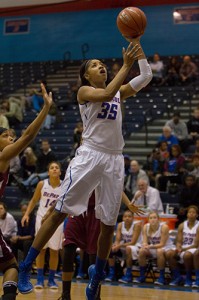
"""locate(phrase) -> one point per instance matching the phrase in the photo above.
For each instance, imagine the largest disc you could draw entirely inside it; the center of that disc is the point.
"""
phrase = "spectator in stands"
(186, 245)
(13, 111)
(114, 70)
(188, 71)
(136, 173)
(77, 138)
(127, 164)
(28, 162)
(45, 156)
(25, 235)
(3, 119)
(8, 225)
(171, 77)
(15, 165)
(193, 125)
(168, 137)
(127, 243)
(36, 97)
(179, 129)
(174, 168)
(163, 148)
(148, 196)
(156, 243)
(51, 117)
(195, 166)
(188, 195)
(154, 166)
(157, 68)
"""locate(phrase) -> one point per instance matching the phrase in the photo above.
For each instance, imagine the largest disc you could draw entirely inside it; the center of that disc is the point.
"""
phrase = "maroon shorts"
(5, 251)
(83, 231)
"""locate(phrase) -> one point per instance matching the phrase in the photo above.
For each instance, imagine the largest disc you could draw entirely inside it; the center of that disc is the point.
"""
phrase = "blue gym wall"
(51, 35)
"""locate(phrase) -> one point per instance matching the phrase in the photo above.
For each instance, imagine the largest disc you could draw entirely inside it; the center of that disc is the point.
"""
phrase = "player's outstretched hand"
(131, 54)
(136, 209)
(48, 99)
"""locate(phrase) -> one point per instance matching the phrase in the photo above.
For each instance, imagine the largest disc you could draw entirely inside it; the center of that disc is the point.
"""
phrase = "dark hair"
(53, 162)
(194, 207)
(2, 130)
(82, 71)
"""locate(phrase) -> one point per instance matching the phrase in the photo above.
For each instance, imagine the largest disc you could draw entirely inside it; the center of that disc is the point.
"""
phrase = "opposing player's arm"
(131, 206)
(31, 131)
(31, 205)
(87, 93)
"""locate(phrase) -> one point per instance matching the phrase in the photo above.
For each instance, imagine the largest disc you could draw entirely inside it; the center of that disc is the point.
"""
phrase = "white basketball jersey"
(127, 234)
(155, 237)
(49, 196)
(189, 234)
(102, 123)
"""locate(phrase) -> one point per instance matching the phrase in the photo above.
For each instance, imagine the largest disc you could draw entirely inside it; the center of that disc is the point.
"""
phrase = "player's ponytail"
(82, 71)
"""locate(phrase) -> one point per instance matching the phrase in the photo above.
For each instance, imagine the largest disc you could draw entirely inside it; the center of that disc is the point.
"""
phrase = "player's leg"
(40, 260)
(53, 264)
(108, 201)
(161, 261)
(68, 270)
(10, 277)
(44, 234)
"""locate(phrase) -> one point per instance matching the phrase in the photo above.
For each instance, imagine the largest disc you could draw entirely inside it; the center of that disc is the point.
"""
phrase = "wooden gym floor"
(115, 292)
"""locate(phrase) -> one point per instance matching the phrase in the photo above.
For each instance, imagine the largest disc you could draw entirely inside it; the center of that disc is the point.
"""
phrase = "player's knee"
(11, 266)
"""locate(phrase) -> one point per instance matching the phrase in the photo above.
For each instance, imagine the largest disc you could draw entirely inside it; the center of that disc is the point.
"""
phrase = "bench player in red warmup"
(98, 164)
(8, 150)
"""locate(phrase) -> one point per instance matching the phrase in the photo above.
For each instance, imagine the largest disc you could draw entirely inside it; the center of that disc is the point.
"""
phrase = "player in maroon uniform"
(8, 150)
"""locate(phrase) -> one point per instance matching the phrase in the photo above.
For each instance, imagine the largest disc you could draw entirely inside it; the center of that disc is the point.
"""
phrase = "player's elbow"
(147, 78)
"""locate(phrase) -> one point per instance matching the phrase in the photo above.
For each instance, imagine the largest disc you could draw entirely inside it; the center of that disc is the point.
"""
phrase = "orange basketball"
(131, 22)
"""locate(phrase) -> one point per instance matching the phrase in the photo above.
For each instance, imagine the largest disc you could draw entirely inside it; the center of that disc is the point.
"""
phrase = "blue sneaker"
(24, 284)
(140, 279)
(80, 275)
(126, 278)
(188, 283)
(160, 281)
(92, 288)
(196, 283)
(39, 284)
(176, 281)
(52, 284)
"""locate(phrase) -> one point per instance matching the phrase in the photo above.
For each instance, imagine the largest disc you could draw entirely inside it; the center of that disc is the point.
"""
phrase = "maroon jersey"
(3, 181)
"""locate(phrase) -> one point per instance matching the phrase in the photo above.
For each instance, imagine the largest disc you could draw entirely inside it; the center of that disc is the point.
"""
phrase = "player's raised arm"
(137, 83)
(31, 131)
(90, 90)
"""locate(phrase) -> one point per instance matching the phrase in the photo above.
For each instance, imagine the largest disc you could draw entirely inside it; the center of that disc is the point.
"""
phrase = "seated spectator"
(13, 111)
(171, 77)
(8, 225)
(25, 234)
(36, 97)
(114, 70)
(156, 243)
(168, 137)
(51, 117)
(28, 162)
(193, 125)
(188, 71)
(127, 243)
(15, 165)
(186, 246)
(188, 195)
(174, 168)
(163, 148)
(77, 138)
(136, 173)
(154, 166)
(45, 156)
(179, 129)
(157, 68)
(195, 166)
(127, 163)
(148, 196)
(3, 119)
